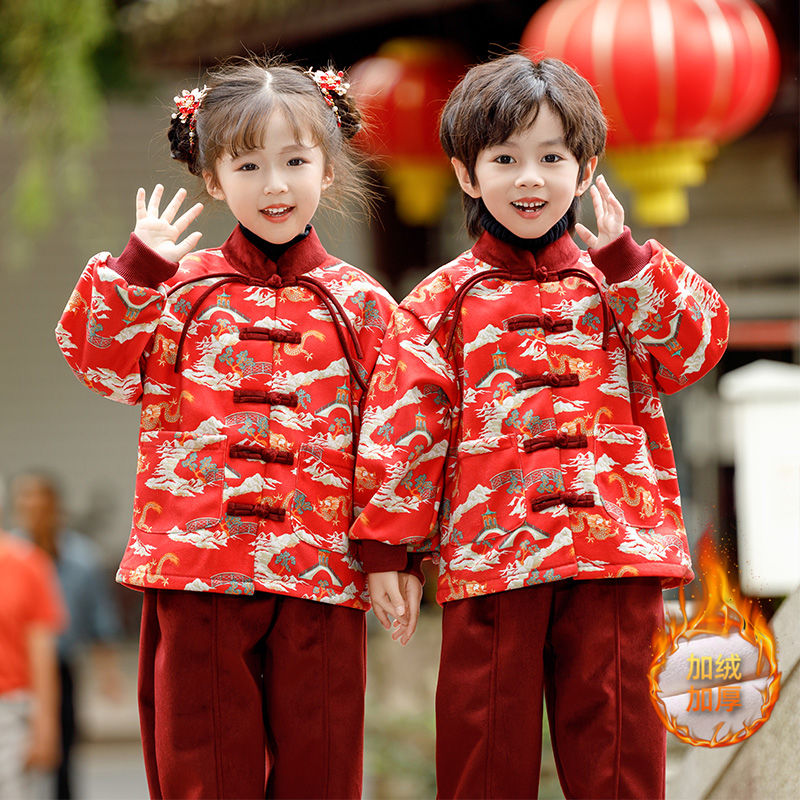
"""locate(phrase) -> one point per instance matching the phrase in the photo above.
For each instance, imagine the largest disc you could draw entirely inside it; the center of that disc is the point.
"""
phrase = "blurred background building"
(85, 92)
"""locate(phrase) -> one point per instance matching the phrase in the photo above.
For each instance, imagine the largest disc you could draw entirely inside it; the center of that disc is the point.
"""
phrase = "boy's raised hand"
(395, 600)
(610, 216)
(158, 231)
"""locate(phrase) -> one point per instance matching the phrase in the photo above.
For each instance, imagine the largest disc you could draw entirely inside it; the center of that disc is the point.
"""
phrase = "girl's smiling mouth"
(276, 213)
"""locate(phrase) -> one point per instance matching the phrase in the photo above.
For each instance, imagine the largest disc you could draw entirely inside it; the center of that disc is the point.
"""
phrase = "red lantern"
(401, 91)
(674, 77)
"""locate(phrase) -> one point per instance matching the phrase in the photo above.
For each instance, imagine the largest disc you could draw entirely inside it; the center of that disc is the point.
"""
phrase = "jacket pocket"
(626, 478)
(488, 499)
(322, 503)
(179, 481)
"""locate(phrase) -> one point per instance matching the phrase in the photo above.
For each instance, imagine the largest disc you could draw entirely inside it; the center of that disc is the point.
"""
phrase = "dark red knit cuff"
(414, 566)
(140, 265)
(621, 259)
(380, 557)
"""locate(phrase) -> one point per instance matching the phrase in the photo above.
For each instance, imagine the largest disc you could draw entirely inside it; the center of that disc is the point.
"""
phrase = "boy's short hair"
(495, 99)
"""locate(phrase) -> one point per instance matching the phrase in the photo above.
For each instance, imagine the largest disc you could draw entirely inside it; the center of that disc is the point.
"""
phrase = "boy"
(514, 425)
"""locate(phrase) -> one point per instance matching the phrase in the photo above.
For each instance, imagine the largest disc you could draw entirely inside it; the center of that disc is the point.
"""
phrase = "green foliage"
(49, 94)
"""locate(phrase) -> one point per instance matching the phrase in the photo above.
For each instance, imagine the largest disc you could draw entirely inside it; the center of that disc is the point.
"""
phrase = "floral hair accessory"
(330, 83)
(187, 104)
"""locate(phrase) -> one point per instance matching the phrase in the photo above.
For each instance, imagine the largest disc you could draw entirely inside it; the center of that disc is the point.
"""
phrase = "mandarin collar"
(522, 264)
(301, 257)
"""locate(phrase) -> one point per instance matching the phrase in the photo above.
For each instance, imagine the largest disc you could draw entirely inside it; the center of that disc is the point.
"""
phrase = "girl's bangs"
(304, 118)
(248, 131)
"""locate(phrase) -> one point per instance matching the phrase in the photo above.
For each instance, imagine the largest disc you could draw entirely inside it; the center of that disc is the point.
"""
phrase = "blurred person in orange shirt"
(31, 615)
(94, 624)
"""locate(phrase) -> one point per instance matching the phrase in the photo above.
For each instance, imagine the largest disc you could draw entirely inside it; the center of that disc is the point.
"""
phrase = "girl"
(249, 361)
(529, 373)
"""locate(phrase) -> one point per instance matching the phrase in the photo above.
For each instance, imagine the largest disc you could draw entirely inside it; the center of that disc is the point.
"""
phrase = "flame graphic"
(722, 612)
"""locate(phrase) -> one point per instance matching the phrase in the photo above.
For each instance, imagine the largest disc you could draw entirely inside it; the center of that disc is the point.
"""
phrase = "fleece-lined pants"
(585, 645)
(251, 697)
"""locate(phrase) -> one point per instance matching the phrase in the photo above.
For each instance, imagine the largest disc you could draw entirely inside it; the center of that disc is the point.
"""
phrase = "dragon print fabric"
(249, 375)
(514, 427)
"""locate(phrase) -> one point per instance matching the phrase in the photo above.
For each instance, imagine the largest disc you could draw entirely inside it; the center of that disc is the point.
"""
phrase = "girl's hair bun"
(349, 115)
(181, 132)
(181, 145)
(334, 90)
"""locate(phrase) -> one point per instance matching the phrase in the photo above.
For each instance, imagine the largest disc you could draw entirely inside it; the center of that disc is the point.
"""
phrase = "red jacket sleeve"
(405, 437)
(671, 315)
(108, 322)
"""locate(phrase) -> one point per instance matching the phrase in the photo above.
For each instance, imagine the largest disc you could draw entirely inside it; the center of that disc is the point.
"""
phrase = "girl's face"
(529, 181)
(274, 190)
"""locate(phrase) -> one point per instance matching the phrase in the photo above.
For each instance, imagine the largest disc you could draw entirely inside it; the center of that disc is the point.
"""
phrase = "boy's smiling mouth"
(528, 206)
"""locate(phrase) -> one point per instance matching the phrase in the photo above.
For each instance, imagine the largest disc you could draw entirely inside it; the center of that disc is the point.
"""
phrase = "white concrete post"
(764, 405)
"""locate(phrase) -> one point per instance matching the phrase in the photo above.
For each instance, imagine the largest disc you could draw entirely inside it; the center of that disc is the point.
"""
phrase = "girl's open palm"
(610, 216)
(158, 230)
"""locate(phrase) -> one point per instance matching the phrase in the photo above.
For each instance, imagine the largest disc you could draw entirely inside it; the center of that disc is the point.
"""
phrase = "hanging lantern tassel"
(658, 175)
(419, 190)
(401, 91)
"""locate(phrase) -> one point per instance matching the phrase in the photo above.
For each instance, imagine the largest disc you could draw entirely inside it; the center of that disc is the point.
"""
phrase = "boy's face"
(529, 181)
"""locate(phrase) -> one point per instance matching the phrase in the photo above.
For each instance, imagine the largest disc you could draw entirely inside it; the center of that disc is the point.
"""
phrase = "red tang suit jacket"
(514, 424)
(249, 374)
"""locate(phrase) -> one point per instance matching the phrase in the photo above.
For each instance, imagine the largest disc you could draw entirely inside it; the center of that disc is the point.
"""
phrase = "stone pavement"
(108, 761)
(110, 771)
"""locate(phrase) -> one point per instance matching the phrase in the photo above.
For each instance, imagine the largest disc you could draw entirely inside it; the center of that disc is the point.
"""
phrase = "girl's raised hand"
(610, 216)
(158, 230)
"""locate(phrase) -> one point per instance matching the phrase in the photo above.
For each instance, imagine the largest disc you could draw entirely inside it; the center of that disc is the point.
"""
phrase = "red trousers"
(251, 697)
(587, 644)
